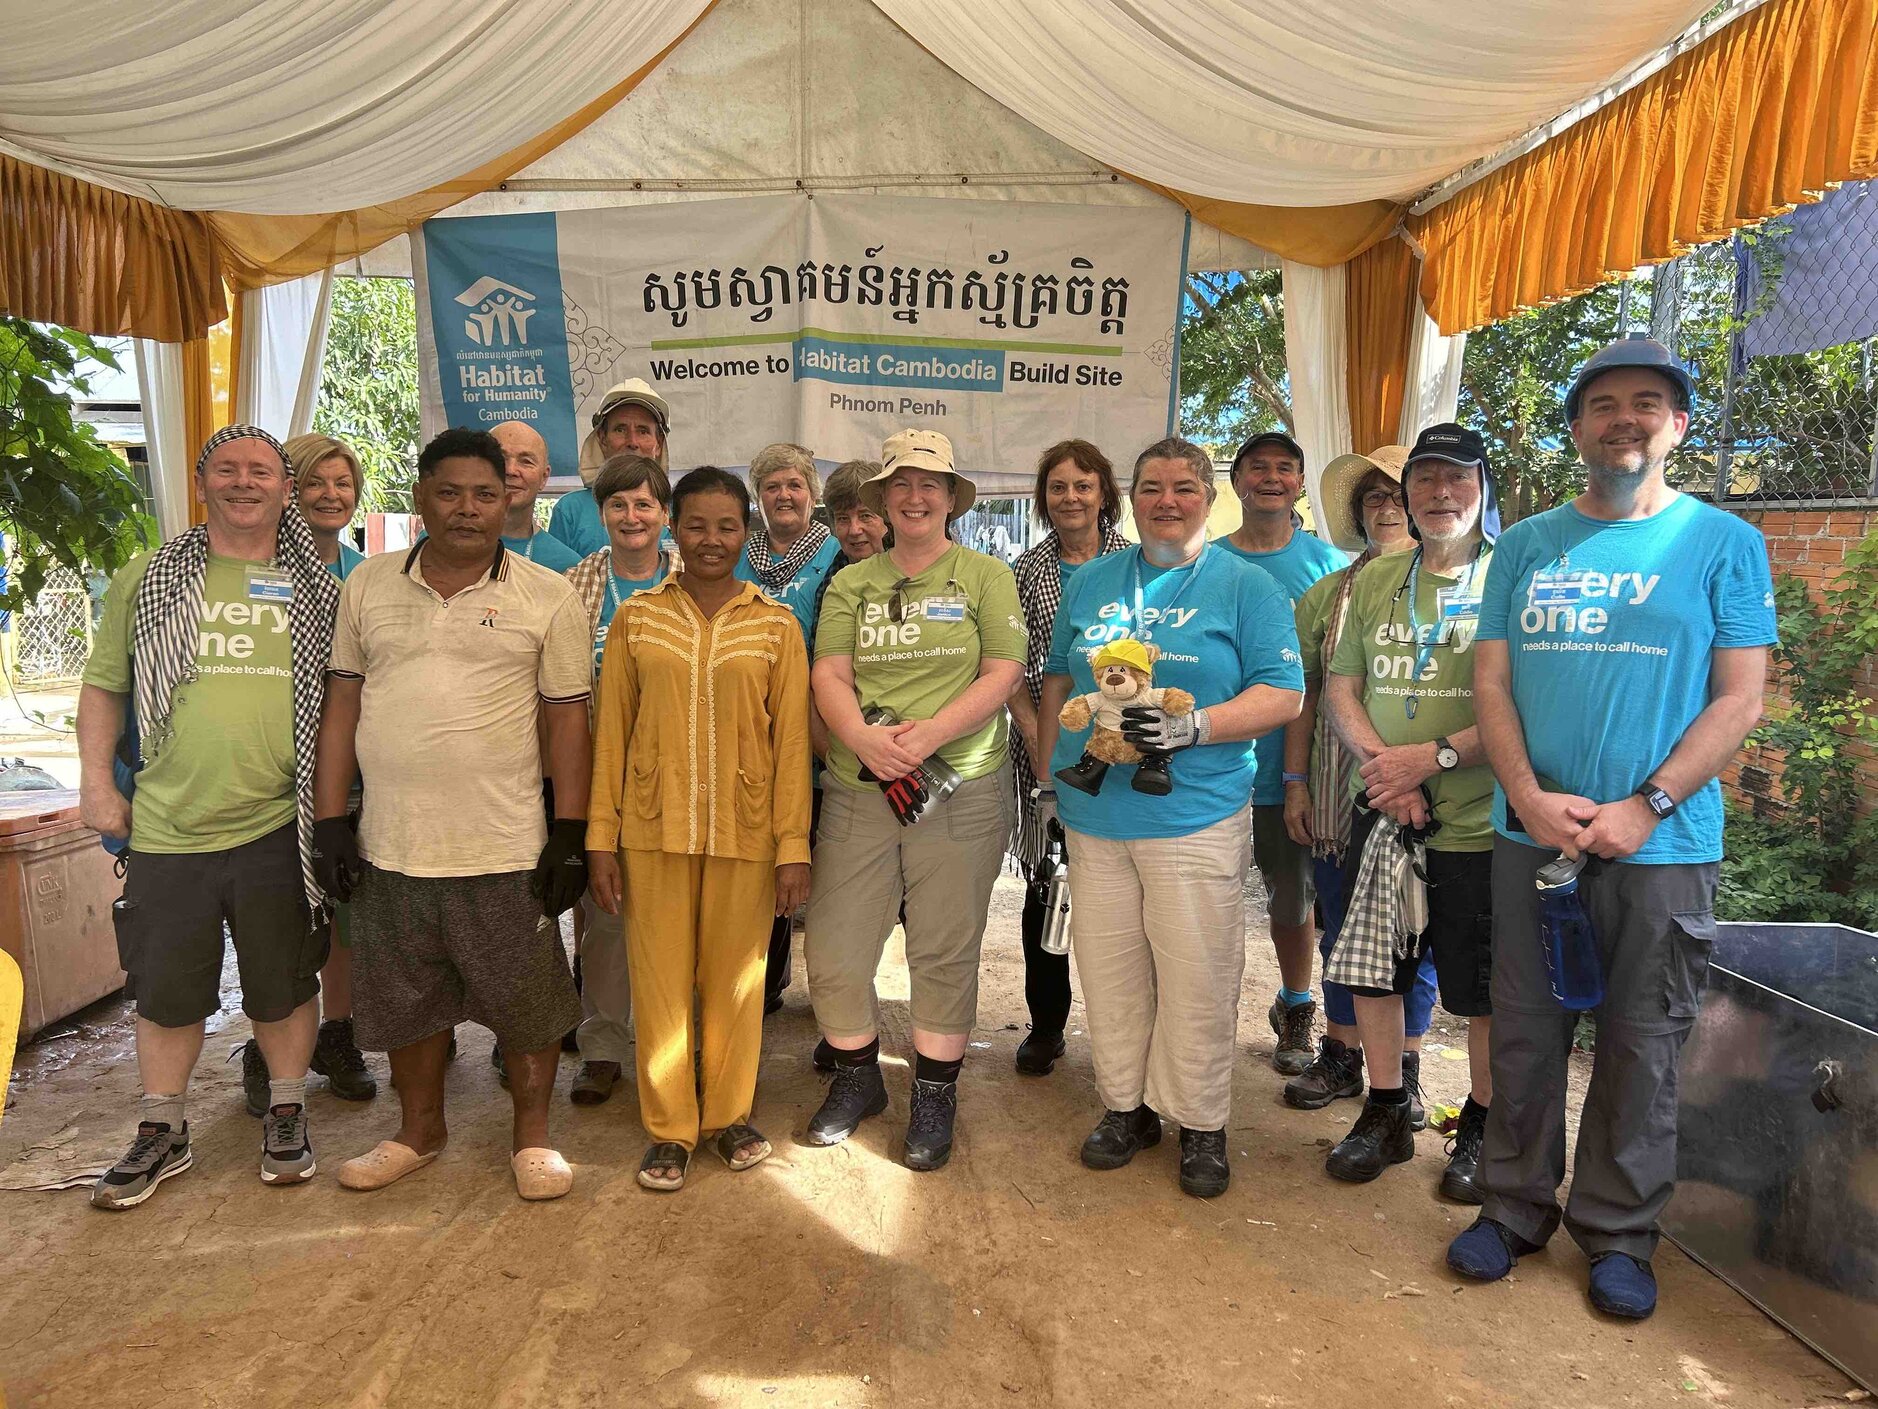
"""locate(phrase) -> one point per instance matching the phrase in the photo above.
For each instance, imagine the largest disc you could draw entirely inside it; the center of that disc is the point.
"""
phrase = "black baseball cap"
(1291, 446)
(1447, 441)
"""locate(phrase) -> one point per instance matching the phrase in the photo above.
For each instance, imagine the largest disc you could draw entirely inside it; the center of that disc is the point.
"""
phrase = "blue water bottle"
(1571, 945)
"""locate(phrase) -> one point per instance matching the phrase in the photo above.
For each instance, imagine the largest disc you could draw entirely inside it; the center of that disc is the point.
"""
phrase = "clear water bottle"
(1571, 945)
(1056, 907)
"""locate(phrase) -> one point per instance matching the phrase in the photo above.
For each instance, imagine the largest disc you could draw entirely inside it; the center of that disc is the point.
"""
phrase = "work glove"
(907, 797)
(1156, 731)
(561, 873)
(1045, 802)
(336, 861)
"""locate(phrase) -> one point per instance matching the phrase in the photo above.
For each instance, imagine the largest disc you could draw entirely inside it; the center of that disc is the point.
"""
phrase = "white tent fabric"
(1433, 382)
(1290, 104)
(277, 106)
(1316, 355)
(284, 343)
(160, 381)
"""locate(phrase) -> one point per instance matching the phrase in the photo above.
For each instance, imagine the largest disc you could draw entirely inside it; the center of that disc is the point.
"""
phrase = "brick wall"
(1809, 544)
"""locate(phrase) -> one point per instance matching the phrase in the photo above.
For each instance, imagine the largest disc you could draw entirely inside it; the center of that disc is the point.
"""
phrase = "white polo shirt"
(447, 736)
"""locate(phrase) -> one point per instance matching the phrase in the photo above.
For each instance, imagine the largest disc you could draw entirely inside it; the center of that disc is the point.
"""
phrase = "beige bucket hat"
(916, 450)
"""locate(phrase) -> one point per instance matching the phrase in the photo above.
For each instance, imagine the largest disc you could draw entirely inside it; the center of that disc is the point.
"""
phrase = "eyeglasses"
(1376, 498)
(896, 604)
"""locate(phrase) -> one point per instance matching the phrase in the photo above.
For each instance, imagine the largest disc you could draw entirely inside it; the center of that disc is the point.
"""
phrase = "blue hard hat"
(1635, 350)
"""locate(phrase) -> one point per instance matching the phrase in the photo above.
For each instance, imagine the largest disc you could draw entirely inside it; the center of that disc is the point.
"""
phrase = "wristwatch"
(1659, 802)
(1447, 757)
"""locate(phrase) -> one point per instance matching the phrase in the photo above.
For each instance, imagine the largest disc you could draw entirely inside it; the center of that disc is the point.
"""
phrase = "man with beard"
(1622, 652)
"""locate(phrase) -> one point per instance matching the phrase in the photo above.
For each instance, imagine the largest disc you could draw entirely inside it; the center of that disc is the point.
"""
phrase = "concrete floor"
(823, 1277)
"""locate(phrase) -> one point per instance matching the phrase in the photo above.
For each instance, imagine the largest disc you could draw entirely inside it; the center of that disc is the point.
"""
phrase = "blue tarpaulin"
(1827, 285)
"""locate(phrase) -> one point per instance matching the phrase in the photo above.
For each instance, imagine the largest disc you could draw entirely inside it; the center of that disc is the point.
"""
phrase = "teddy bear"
(1124, 676)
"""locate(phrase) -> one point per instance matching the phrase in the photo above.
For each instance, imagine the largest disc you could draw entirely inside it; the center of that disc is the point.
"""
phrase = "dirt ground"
(823, 1277)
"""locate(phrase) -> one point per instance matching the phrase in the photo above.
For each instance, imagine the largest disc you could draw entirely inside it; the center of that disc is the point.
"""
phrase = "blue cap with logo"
(1635, 350)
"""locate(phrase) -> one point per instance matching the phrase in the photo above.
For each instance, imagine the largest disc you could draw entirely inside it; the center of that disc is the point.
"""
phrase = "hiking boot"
(1037, 1053)
(1121, 1135)
(1412, 1083)
(1622, 1285)
(336, 1056)
(154, 1156)
(255, 1089)
(593, 1083)
(1486, 1251)
(823, 1058)
(855, 1094)
(1204, 1172)
(1336, 1072)
(1461, 1182)
(1292, 1027)
(286, 1152)
(1381, 1137)
(929, 1126)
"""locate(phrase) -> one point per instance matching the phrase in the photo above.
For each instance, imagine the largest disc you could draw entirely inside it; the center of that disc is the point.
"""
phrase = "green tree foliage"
(64, 496)
(368, 386)
(1233, 381)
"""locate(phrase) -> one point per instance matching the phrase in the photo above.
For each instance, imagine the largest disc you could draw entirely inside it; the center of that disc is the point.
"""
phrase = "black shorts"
(430, 951)
(1460, 928)
(169, 930)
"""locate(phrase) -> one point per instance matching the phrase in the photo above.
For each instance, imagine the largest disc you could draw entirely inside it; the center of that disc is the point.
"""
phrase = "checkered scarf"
(165, 637)
(773, 571)
(1332, 763)
(1386, 909)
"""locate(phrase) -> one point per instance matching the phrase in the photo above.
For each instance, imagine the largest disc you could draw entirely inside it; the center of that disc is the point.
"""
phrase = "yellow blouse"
(701, 735)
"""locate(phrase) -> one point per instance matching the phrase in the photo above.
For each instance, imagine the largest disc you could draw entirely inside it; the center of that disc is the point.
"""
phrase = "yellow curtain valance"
(1770, 111)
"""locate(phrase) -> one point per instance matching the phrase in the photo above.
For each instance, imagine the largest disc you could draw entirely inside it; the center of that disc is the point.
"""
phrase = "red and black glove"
(907, 797)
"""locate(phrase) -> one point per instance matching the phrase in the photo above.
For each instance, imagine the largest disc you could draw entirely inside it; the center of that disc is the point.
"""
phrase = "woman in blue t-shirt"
(635, 499)
(1157, 874)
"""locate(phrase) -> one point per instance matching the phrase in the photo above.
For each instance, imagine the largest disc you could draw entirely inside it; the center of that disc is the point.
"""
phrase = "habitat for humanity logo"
(499, 310)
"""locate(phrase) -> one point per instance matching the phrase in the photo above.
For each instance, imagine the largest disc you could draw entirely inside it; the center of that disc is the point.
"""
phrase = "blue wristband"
(1297, 778)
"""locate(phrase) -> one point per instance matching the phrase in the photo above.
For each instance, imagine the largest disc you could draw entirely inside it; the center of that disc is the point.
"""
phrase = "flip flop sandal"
(541, 1173)
(666, 1153)
(385, 1163)
(732, 1138)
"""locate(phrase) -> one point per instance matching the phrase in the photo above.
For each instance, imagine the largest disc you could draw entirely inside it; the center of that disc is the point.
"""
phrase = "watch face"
(1447, 758)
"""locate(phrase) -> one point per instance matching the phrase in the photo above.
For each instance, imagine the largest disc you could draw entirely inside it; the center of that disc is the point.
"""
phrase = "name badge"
(1555, 589)
(269, 587)
(1452, 606)
(943, 609)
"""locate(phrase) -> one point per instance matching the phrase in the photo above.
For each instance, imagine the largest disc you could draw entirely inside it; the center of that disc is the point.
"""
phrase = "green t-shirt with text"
(1378, 645)
(957, 613)
(225, 777)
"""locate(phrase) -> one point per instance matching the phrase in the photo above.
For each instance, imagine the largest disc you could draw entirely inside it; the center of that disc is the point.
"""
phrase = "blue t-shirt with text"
(545, 549)
(1297, 565)
(1221, 628)
(349, 558)
(802, 594)
(1609, 627)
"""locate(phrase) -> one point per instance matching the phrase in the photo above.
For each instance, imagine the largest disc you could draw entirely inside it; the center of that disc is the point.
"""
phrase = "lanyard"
(1425, 650)
(612, 584)
(1141, 631)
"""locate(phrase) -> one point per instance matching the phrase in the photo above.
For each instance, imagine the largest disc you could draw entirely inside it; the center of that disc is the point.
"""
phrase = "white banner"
(830, 321)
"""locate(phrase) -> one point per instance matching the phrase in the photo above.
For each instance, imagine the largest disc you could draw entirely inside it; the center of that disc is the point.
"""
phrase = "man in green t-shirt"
(1400, 691)
(222, 636)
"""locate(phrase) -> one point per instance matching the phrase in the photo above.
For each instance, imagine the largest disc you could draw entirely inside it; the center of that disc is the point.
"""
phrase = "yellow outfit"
(701, 782)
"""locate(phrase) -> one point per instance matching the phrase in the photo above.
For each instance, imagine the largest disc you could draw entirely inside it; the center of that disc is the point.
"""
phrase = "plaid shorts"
(430, 951)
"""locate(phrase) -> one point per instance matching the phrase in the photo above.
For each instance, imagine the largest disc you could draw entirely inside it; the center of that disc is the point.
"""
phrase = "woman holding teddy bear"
(1190, 654)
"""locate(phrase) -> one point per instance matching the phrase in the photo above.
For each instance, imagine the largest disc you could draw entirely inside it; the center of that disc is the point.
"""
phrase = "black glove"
(907, 797)
(561, 873)
(336, 861)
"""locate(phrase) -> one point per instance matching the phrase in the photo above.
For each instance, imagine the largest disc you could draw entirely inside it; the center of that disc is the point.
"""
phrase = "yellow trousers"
(697, 925)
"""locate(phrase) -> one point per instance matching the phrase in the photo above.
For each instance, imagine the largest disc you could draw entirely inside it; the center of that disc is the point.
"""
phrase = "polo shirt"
(447, 741)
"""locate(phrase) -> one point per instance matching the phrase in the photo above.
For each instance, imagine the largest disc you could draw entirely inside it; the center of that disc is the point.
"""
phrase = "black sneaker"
(1412, 1083)
(1292, 1027)
(1461, 1181)
(1381, 1137)
(1336, 1073)
(929, 1126)
(255, 1087)
(1037, 1053)
(823, 1058)
(336, 1056)
(154, 1156)
(1204, 1171)
(855, 1094)
(1121, 1135)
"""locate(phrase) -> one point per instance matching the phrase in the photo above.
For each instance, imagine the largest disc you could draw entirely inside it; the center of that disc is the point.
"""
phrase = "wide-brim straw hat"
(1341, 476)
(917, 450)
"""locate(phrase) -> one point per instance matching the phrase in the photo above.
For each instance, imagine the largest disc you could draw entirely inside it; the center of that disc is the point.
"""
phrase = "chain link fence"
(52, 634)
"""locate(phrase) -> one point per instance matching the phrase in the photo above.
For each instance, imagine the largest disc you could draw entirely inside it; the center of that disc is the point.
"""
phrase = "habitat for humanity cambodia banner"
(831, 321)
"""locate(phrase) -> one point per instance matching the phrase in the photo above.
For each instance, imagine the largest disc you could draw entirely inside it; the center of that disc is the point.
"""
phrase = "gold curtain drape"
(1380, 308)
(1321, 235)
(1770, 111)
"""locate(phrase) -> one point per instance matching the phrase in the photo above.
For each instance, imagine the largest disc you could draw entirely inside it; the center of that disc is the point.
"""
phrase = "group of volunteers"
(690, 711)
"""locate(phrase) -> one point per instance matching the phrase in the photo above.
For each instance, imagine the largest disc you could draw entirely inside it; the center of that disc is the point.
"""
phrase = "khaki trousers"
(697, 925)
(1158, 935)
(606, 992)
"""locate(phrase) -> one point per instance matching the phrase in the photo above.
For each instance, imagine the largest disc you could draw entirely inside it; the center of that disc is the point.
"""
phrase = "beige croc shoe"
(541, 1173)
(385, 1163)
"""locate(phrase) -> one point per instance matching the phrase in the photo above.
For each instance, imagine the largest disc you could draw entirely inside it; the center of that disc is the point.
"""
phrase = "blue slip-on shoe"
(1486, 1251)
(1622, 1285)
